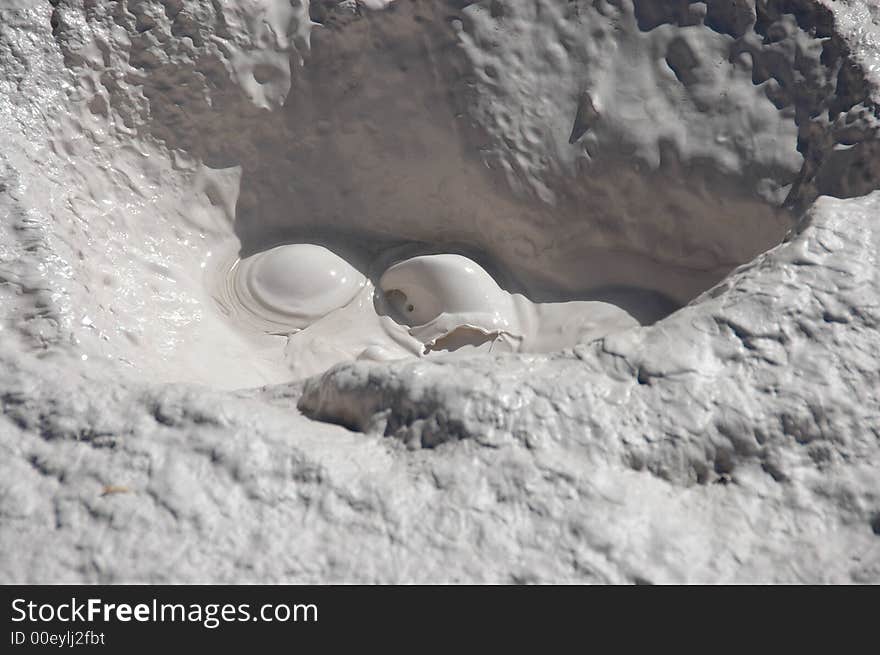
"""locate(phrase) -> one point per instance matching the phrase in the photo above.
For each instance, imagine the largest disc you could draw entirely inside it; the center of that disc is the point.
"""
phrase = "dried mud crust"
(735, 440)
(517, 129)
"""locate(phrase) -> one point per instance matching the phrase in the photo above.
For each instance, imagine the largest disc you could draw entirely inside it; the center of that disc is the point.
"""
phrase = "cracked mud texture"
(737, 439)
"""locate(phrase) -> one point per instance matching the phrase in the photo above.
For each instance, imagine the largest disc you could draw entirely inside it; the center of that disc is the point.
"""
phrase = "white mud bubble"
(430, 305)
(290, 287)
(450, 302)
(309, 309)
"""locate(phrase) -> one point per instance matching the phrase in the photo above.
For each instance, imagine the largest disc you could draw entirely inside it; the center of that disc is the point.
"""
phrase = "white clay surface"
(640, 243)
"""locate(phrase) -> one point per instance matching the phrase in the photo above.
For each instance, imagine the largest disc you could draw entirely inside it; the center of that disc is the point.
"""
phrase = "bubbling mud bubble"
(449, 302)
(425, 306)
(290, 287)
(306, 308)
(424, 289)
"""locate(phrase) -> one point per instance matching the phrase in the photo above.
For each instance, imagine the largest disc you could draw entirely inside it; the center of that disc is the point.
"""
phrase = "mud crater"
(623, 153)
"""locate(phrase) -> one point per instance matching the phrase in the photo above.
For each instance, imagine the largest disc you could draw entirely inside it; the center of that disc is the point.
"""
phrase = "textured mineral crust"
(708, 167)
